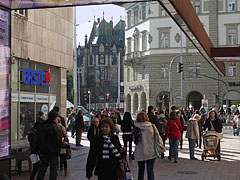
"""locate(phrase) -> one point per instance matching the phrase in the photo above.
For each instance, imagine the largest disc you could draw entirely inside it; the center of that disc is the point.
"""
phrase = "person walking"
(63, 122)
(151, 116)
(161, 126)
(79, 126)
(63, 159)
(33, 144)
(107, 152)
(193, 134)
(126, 127)
(144, 151)
(72, 121)
(49, 142)
(173, 131)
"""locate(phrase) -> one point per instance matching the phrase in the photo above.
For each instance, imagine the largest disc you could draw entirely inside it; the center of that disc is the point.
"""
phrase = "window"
(128, 75)
(21, 12)
(197, 7)
(135, 16)
(164, 71)
(143, 71)
(114, 60)
(129, 45)
(136, 44)
(143, 12)
(198, 69)
(231, 36)
(191, 71)
(231, 5)
(162, 12)
(102, 60)
(232, 69)
(135, 74)
(164, 39)
(91, 60)
(129, 19)
(144, 40)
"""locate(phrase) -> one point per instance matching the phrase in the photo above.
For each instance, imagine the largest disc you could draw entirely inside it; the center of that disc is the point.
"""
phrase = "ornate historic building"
(100, 65)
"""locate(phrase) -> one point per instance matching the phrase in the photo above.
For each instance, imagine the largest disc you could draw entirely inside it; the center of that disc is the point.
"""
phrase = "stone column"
(63, 92)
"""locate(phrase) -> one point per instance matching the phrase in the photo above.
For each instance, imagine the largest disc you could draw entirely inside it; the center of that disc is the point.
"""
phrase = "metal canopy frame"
(181, 11)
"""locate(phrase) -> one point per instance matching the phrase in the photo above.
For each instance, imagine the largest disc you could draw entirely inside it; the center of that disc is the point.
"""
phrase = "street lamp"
(89, 104)
(170, 78)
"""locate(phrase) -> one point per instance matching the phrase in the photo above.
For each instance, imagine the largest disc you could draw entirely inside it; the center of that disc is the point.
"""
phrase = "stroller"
(211, 143)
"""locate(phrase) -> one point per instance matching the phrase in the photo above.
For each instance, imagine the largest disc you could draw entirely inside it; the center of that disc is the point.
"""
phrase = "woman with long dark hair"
(126, 127)
(173, 131)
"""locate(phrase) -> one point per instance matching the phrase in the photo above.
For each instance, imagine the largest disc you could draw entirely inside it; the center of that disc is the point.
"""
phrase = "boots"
(66, 171)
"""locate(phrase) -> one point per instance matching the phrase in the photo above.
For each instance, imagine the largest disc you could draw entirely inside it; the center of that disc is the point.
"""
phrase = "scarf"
(107, 147)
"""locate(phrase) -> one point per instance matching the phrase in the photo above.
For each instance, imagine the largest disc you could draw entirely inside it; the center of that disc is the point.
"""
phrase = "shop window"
(43, 68)
(164, 71)
(23, 64)
(26, 118)
(232, 69)
(231, 5)
(44, 107)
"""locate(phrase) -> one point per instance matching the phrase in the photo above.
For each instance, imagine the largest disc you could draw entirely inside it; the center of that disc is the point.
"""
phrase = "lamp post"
(89, 106)
(170, 77)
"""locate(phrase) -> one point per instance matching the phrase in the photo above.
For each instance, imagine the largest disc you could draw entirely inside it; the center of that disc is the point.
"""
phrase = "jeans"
(45, 161)
(127, 138)
(192, 143)
(173, 148)
(150, 169)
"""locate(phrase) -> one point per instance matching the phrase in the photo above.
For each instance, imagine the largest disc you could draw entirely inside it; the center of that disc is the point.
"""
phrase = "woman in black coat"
(213, 123)
(107, 152)
(126, 127)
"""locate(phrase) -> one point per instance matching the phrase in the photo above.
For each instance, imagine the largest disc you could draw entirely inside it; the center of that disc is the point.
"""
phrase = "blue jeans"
(192, 143)
(173, 148)
(150, 168)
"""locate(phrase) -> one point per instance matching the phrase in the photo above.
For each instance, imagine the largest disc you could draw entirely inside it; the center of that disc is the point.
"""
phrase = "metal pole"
(89, 107)
(74, 60)
(119, 86)
(79, 90)
(181, 59)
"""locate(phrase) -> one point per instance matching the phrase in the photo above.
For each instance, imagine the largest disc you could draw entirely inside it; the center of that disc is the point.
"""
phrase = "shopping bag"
(124, 172)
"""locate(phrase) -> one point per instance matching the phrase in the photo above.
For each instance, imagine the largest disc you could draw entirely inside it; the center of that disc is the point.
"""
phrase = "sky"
(85, 18)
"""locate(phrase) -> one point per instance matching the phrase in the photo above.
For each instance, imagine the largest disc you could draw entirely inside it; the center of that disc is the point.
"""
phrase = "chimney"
(86, 40)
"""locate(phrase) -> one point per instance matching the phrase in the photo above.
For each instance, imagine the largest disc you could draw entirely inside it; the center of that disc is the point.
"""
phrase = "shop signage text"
(36, 77)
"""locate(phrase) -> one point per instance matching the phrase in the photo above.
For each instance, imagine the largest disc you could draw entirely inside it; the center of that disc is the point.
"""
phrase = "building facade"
(153, 40)
(41, 51)
(100, 66)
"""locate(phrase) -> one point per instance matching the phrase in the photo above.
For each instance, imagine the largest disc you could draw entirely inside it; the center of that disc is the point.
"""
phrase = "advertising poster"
(4, 85)
(103, 76)
(113, 76)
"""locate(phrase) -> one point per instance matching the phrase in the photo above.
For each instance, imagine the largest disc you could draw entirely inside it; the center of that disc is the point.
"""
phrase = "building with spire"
(100, 66)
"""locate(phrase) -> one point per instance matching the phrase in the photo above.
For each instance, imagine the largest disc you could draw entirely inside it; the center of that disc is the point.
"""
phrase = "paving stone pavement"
(211, 169)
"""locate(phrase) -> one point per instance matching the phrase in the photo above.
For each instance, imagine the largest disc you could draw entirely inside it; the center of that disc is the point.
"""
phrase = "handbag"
(68, 153)
(124, 172)
(158, 143)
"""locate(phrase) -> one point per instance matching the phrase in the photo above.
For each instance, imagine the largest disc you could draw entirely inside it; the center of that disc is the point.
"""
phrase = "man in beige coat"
(193, 134)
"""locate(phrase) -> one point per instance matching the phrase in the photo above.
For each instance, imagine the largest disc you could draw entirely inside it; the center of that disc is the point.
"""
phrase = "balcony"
(133, 57)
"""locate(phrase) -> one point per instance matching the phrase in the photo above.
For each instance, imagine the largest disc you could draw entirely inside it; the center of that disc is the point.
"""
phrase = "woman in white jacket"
(144, 150)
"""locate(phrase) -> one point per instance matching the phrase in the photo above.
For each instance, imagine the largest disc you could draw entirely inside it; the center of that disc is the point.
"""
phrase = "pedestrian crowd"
(107, 158)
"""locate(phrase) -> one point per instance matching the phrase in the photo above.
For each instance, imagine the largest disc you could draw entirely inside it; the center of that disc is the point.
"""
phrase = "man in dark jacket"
(49, 141)
(72, 120)
(63, 122)
(151, 116)
(79, 127)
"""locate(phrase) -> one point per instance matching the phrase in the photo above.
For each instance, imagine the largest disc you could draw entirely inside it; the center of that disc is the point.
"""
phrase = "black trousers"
(63, 161)
(36, 167)
(128, 138)
(163, 139)
(47, 160)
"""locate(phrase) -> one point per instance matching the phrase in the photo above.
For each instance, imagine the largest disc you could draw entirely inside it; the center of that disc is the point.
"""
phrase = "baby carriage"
(211, 143)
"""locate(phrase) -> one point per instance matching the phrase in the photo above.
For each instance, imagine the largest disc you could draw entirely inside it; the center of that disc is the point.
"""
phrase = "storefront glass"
(42, 68)
(26, 65)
